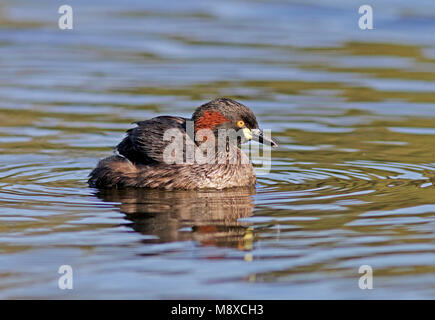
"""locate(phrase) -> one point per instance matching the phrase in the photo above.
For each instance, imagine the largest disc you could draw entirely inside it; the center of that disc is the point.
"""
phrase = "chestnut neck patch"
(209, 120)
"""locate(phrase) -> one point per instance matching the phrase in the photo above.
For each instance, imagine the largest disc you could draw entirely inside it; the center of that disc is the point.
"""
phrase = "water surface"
(352, 183)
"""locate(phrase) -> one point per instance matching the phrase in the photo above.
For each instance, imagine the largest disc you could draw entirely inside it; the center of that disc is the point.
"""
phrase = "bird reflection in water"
(208, 217)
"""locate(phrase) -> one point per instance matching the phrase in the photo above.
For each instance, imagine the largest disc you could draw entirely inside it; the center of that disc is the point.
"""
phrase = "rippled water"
(352, 183)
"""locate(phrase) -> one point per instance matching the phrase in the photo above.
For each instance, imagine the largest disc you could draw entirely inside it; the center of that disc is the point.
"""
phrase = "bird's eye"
(240, 123)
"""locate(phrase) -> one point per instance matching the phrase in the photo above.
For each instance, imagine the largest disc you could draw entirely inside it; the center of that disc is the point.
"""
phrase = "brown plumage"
(140, 161)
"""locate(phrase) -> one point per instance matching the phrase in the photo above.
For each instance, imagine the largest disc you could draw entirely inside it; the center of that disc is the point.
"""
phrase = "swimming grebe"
(142, 160)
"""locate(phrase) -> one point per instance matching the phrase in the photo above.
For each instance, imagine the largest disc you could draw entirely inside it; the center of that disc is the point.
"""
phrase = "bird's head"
(223, 113)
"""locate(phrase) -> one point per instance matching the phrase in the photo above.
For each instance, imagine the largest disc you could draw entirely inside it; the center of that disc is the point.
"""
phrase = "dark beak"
(258, 135)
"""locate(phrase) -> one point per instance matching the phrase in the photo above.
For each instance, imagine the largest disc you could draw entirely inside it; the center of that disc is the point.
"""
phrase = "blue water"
(350, 185)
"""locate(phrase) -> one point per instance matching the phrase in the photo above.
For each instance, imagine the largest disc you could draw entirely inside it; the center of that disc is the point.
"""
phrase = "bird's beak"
(257, 135)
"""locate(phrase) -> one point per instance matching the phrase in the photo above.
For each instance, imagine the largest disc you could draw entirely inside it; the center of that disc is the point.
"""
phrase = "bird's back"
(145, 144)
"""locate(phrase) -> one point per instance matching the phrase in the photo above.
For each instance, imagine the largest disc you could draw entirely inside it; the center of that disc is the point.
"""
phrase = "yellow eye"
(240, 123)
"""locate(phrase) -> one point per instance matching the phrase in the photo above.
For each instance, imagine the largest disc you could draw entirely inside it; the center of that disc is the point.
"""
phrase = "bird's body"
(142, 160)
